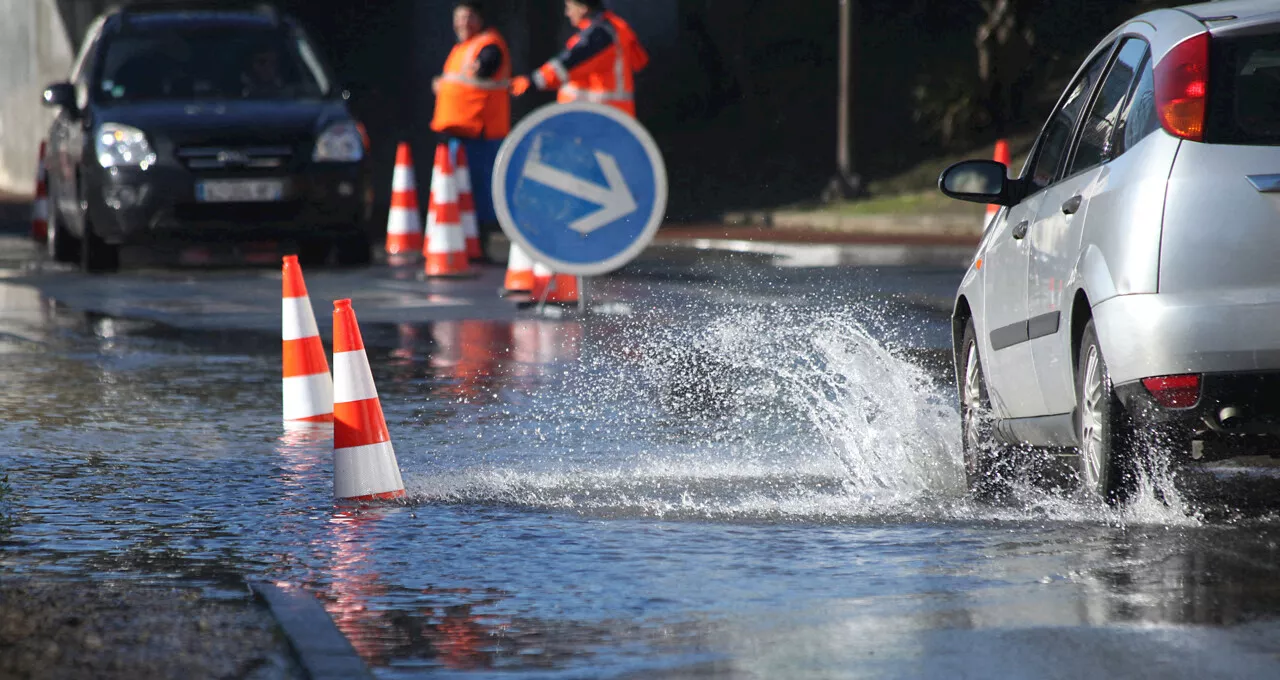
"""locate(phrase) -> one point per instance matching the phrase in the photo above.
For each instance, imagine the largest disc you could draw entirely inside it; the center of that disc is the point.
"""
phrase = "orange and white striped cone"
(40, 206)
(467, 207)
(364, 462)
(519, 271)
(308, 387)
(404, 231)
(1001, 155)
(558, 289)
(445, 248)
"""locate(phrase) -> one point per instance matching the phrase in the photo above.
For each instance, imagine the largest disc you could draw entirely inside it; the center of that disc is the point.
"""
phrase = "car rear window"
(1245, 90)
(208, 63)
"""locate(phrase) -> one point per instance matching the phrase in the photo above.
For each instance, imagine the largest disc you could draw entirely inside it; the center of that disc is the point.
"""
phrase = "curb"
(322, 650)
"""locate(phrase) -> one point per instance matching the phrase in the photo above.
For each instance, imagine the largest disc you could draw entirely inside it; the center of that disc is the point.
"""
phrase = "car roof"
(1234, 9)
(162, 16)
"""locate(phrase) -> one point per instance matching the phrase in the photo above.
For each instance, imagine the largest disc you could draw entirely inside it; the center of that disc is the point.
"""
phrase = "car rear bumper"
(132, 206)
(1223, 332)
(1235, 411)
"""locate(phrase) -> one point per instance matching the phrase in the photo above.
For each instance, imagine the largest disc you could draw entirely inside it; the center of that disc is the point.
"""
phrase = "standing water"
(750, 486)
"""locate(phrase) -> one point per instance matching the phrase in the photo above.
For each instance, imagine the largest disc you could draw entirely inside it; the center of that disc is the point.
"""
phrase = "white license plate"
(240, 191)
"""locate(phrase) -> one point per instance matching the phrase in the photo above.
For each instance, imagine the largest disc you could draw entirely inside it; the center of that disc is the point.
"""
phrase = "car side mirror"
(977, 181)
(61, 95)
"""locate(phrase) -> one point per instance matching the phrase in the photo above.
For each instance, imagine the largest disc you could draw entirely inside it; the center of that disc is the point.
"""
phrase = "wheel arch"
(960, 317)
(1081, 314)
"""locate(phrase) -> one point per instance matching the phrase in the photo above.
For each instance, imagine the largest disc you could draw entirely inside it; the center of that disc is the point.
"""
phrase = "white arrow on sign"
(615, 201)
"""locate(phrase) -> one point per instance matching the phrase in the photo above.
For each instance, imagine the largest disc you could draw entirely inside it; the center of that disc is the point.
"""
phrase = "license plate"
(240, 191)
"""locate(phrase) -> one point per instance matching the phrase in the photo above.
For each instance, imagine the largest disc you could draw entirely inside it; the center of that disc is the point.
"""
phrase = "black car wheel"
(314, 252)
(1106, 461)
(96, 255)
(987, 462)
(59, 243)
(354, 250)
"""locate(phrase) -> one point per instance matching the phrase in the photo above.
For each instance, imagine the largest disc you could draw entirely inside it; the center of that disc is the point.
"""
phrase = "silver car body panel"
(1172, 286)
(1194, 332)
(1220, 232)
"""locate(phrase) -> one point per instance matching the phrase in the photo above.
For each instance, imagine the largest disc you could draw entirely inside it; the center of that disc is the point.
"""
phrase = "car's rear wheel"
(985, 461)
(1106, 461)
(59, 243)
(96, 255)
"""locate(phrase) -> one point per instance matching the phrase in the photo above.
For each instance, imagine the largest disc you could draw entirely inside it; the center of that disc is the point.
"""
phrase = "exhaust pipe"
(1231, 417)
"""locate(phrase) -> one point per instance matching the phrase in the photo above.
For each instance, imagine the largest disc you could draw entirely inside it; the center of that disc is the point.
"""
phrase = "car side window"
(1057, 133)
(1139, 118)
(1093, 146)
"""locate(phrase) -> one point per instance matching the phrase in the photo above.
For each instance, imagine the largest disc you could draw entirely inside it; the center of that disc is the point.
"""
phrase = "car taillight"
(1182, 88)
(1174, 391)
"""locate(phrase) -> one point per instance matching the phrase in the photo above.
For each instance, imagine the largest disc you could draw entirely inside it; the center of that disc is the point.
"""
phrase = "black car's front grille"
(228, 158)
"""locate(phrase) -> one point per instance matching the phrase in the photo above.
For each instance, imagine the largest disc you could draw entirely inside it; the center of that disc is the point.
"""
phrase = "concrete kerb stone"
(322, 650)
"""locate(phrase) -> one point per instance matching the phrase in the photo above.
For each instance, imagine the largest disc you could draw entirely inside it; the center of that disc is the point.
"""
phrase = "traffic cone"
(445, 248)
(364, 462)
(1001, 155)
(40, 206)
(308, 387)
(561, 289)
(467, 207)
(404, 233)
(519, 271)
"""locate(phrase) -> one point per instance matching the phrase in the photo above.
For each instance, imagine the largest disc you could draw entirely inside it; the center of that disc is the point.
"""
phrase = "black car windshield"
(209, 63)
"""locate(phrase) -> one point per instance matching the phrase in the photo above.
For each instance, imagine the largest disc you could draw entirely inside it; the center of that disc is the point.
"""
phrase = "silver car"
(1126, 297)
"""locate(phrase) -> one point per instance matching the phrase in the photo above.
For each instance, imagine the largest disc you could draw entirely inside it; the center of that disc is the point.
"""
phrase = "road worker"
(473, 103)
(598, 64)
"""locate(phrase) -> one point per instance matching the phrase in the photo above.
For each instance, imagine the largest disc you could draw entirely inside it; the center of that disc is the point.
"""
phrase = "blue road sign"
(581, 187)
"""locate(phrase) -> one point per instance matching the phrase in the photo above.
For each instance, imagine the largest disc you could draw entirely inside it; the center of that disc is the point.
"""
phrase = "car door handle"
(1020, 231)
(1072, 204)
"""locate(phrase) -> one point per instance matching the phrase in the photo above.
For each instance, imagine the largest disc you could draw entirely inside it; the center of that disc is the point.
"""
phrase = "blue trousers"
(481, 155)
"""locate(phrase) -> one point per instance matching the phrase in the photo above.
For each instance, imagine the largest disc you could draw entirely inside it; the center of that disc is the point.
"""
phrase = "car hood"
(235, 123)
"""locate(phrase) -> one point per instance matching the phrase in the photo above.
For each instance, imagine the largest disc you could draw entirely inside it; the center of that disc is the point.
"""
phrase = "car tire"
(1105, 463)
(97, 256)
(59, 243)
(354, 250)
(988, 463)
(314, 252)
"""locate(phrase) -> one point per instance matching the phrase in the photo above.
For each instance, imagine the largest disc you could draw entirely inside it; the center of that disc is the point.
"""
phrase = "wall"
(34, 51)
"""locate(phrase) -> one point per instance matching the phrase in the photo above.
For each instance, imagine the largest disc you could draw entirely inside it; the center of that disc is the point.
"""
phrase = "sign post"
(582, 187)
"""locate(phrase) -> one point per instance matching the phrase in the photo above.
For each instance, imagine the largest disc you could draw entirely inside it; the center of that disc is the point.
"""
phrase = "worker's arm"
(592, 42)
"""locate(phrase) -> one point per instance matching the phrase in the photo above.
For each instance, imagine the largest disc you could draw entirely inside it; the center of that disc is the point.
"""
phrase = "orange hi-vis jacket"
(598, 64)
(467, 105)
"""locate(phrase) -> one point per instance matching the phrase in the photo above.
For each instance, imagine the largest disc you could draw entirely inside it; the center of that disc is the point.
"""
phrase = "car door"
(1056, 234)
(1007, 358)
(1009, 361)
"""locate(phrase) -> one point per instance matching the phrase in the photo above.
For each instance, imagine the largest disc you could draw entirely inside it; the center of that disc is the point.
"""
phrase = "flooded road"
(738, 466)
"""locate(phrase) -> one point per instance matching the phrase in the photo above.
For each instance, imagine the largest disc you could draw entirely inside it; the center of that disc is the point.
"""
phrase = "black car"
(204, 125)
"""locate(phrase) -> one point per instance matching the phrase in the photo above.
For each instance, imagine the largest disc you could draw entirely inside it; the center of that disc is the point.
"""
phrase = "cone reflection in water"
(557, 288)
(467, 206)
(40, 206)
(404, 230)
(519, 270)
(308, 387)
(364, 461)
(537, 343)
(445, 248)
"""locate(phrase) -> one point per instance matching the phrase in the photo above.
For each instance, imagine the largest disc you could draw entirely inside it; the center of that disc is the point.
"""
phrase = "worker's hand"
(520, 85)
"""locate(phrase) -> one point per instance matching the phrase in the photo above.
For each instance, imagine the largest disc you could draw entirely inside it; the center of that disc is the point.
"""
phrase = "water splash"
(773, 413)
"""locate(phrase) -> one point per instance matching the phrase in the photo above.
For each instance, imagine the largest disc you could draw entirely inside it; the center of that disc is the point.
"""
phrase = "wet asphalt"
(732, 465)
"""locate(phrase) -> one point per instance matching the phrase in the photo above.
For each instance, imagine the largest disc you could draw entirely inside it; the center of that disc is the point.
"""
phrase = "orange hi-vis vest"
(472, 107)
(598, 64)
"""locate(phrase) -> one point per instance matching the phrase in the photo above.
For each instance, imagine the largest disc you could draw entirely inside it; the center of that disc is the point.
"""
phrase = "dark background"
(741, 94)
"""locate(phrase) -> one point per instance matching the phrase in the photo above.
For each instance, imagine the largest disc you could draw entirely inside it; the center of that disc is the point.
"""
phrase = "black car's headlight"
(122, 146)
(339, 143)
